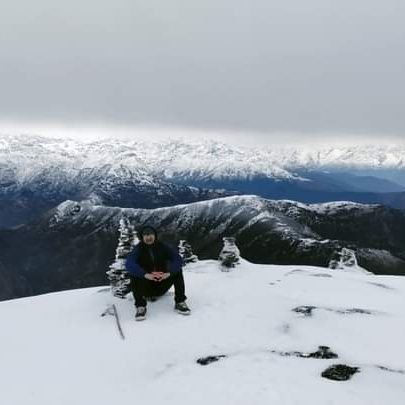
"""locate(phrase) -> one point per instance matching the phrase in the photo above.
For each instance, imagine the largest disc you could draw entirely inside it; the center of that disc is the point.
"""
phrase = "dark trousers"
(142, 287)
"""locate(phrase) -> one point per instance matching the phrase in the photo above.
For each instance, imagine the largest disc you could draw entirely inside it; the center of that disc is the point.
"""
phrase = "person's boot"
(182, 308)
(140, 313)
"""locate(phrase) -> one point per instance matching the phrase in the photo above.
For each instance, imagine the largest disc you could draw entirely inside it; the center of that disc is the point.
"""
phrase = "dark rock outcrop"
(203, 361)
(323, 352)
(340, 372)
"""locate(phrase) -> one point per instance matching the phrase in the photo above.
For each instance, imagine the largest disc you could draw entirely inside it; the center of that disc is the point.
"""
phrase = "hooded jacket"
(158, 256)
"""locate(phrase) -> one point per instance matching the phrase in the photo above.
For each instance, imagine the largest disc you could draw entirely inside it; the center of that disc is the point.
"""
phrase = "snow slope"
(56, 348)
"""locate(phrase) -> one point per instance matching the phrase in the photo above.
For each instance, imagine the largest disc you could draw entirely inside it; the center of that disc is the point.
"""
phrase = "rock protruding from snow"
(340, 372)
(203, 361)
(345, 259)
(229, 256)
(323, 352)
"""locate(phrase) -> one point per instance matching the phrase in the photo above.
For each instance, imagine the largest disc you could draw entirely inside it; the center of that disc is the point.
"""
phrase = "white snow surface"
(57, 349)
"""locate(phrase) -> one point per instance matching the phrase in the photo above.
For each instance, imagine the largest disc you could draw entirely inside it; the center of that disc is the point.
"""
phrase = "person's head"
(148, 235)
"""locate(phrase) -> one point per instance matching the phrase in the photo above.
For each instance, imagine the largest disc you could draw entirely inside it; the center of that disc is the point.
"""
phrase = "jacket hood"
(143, 228)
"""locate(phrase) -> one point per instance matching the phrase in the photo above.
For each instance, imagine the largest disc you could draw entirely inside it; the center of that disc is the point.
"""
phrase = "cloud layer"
(315, 66)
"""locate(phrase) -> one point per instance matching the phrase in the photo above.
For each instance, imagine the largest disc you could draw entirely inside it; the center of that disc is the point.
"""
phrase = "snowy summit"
(259, 334)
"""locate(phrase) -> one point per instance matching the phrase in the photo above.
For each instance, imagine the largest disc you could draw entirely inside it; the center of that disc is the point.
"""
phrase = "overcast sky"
(262, 66)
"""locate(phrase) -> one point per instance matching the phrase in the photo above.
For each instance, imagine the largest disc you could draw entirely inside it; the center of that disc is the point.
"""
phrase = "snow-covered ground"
(57, 349)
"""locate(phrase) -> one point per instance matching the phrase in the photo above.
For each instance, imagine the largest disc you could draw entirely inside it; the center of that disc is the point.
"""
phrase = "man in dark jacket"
(153, 267)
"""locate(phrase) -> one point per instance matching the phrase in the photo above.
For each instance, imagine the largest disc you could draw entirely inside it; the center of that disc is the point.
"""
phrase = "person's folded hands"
(157, 275)
(164, 276)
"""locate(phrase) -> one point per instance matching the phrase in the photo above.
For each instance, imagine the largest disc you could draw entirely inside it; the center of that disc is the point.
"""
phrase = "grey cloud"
(265, 65)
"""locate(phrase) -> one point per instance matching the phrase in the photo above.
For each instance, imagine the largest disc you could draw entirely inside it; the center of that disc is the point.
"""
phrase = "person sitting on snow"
(153, 267)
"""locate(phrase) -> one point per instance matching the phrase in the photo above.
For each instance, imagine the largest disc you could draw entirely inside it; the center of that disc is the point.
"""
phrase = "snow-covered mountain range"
(72, 244)
(37, 173)
(261, 334)
(26, 155)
